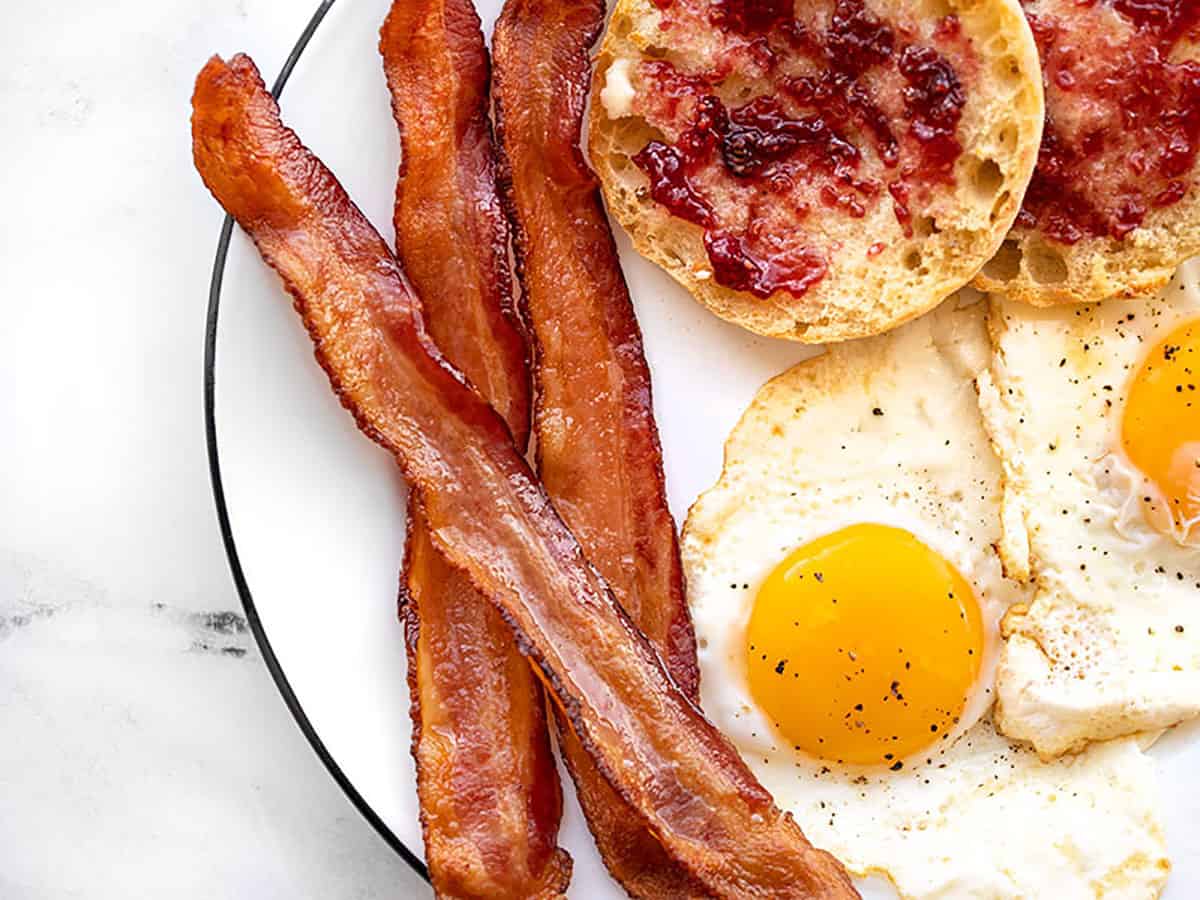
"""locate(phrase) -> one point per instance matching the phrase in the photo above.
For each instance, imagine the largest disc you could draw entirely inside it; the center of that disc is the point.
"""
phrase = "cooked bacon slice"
(485, 511)
(486, 779)
(489, 792)
(598, 449)
(451, 232)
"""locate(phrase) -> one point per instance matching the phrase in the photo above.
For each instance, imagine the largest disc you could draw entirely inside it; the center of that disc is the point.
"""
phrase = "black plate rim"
(231, 553)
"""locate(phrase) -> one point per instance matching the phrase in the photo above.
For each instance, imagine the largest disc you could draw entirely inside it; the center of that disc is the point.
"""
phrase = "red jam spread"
(934, 100)
(856, 111)
(749, 16)
(1122, 115)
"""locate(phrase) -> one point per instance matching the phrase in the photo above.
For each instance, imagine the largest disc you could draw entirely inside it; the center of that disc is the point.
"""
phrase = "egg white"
(1110, 644)
(888, 430)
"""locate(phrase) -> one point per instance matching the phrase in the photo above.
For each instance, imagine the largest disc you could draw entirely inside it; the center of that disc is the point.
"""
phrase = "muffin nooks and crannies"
(1114, 204)
(819, 171)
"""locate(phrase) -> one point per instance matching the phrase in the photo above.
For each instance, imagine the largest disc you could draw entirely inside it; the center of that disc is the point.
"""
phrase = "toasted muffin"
(817, 171)
(1114, 205)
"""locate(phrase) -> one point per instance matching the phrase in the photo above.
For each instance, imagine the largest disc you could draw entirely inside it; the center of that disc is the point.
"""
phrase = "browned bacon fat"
(486, 512)
(486, 779)
(598, 447)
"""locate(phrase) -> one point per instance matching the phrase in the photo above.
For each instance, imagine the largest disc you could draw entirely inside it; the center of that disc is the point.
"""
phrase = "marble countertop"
(145, 751)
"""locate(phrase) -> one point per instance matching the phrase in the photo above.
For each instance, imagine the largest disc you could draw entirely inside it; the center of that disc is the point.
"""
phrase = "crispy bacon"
(486, 779)
(489, 792)
(598, 449)
(485, 511)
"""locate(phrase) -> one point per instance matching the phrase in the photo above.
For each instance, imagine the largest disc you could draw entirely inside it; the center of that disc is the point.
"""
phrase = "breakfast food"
(817, 171)
(486, 777)
(937, 561)
(484, 510)
(847, 600)
(1092, 410)
(598, 450)
(1114, 205)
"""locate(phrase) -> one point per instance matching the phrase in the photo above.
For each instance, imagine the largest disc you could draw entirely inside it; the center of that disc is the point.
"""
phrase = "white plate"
(313, 513)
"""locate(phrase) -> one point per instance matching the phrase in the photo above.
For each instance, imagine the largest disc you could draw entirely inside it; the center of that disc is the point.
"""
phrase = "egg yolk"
(1160, 431)
(864, 645)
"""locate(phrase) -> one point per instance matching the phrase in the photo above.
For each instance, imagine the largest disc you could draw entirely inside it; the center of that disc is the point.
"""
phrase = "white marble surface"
(144, 751)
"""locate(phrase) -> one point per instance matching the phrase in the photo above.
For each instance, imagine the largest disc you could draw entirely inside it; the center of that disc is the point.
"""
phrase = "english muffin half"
(1114, 204)
(820, 170)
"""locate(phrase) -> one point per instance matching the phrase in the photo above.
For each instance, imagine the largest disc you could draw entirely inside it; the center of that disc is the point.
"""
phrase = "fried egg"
(1095, 414)
(847, 601)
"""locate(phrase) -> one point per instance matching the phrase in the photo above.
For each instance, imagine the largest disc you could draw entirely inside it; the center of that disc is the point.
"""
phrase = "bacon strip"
(486, 779)
(486, 512)
(598, 449)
